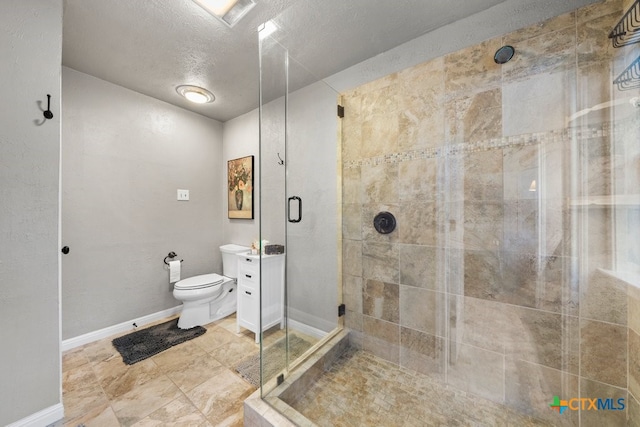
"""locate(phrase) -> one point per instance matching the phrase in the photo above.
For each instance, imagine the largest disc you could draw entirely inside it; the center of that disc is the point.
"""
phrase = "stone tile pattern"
(192, 384)
(361, 389)
(494, 282)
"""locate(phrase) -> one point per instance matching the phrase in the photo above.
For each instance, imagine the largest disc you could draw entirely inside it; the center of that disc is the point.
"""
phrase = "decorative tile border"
(560, 135)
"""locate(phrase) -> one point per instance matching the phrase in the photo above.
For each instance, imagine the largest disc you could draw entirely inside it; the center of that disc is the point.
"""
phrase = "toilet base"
(199, 313)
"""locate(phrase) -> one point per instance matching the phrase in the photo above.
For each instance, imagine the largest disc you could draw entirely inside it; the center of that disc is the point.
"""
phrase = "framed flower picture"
(240, 187)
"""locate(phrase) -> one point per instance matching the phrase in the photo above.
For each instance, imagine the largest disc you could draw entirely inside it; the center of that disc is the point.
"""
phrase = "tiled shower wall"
(502, 277)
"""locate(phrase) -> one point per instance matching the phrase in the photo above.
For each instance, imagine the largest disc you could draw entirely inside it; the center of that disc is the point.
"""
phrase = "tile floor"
(191, 384)
(195, 384)
(361, 389)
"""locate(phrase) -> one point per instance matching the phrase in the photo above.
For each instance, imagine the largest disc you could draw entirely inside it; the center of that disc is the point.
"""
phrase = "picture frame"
(240, 188)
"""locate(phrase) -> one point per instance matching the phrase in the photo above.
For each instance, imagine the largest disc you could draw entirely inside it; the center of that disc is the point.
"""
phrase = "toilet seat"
(199, 282)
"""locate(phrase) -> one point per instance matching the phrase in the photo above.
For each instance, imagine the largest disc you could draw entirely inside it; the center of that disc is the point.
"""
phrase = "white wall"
(124, 155)
(30, 48)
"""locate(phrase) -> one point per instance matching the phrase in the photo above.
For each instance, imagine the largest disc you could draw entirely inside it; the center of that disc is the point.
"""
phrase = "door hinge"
(340, 111)
(341, 310)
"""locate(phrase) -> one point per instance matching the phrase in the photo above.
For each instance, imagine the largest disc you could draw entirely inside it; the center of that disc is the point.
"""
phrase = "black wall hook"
(48, 114)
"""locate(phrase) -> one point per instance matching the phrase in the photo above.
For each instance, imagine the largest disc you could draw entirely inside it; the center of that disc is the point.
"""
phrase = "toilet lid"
(199, 282)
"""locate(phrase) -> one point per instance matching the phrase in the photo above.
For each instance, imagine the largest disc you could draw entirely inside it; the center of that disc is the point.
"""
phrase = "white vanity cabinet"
(248, 311)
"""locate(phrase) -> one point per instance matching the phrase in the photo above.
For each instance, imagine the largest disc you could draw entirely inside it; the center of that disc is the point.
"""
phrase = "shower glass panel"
(509, 291)
(299, 207)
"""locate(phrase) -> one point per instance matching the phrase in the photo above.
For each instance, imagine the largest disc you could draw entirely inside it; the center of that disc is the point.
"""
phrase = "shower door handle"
(299, 209)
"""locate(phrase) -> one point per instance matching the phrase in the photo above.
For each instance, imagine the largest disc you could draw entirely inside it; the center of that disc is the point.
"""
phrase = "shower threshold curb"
(274, 410)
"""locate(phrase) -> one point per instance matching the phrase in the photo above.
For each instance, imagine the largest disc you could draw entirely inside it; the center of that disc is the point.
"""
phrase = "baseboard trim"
(41, 418)
(81, 340)
(90, 337)
(302, 321)
(306, 329)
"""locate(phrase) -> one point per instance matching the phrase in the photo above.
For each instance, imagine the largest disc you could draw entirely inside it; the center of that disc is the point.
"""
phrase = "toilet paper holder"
(171, 255)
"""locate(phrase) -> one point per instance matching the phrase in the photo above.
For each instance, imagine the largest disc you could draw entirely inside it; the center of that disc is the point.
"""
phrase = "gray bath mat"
(274, 362)
(147, 342)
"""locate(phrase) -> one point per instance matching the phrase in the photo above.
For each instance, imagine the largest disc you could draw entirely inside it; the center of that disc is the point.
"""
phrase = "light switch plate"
(183, 195)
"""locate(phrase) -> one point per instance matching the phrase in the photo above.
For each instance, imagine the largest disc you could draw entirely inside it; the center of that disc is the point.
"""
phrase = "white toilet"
(209, 297)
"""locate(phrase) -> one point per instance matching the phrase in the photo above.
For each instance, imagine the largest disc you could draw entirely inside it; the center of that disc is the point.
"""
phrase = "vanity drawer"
(252, 293)
(248, 261)
(249, 278)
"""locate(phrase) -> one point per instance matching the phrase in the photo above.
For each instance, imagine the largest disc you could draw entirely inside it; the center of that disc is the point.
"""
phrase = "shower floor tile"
(361, 389)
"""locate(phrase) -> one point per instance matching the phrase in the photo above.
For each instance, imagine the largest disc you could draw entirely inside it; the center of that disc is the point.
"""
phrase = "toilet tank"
(230, 259)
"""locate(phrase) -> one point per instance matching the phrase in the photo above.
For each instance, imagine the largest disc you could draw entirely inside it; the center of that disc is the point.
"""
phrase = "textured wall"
(30, 42)
(124, 155)
(241, 138)
(489, 284)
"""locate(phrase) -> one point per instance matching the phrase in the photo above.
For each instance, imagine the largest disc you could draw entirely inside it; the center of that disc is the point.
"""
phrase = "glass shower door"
(299, 205)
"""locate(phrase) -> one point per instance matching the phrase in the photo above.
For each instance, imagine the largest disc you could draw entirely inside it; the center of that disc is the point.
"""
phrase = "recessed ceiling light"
(228, 11)
(195, 94)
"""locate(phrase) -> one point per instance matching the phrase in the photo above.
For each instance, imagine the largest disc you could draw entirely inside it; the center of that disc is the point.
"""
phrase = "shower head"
(504, 54)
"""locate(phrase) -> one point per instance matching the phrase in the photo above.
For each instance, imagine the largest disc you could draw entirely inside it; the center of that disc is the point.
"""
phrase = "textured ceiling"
(152, 46)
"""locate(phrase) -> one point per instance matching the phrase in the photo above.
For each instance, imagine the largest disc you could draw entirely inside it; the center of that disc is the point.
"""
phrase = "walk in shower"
(509, 291)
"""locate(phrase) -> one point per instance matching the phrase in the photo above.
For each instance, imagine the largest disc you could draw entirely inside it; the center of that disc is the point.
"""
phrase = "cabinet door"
(248, 308)
(272, 290)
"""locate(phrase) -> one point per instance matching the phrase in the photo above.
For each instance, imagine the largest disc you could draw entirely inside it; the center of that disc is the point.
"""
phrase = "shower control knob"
(65, 250)
(384, 222)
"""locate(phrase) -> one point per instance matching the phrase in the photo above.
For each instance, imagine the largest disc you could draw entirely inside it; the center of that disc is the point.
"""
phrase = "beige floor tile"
(144, 400)
(233, 352)
(102, 417)
(100, 390)
(179, 412)
(272, 335)
(100, 350)
(220, 399)
(229, 323)
(214, 338)
(117, 379)
(78, 378)
(73, 358)
(188, 365)
(81, 394)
